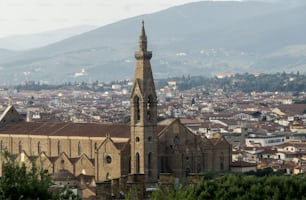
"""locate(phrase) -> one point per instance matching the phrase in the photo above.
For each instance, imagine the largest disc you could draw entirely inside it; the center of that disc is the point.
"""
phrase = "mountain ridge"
(196, 38)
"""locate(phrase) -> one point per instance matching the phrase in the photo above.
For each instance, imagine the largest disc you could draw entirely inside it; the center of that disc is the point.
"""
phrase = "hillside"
(31, 41)
(198, 38)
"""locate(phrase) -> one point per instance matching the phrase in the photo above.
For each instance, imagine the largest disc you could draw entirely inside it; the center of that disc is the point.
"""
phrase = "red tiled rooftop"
(243, 164)
(66, 129)
(293, 109)
(69, 129)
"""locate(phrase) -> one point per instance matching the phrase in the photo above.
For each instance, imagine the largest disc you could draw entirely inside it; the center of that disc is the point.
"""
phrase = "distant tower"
(144, 115)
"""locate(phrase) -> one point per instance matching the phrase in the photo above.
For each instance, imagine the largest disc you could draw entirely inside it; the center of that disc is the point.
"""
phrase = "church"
(99, 152)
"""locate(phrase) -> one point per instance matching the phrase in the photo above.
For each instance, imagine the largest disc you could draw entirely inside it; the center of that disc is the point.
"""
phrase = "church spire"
(143, 39)
(143, 70)
(143, 114)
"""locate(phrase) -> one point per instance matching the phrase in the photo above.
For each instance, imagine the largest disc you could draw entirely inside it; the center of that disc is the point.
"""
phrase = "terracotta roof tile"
(69, 129)
(293, 109)
(243, 164)
(66, 129)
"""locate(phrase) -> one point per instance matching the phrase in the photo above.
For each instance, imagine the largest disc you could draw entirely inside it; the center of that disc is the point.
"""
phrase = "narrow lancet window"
(150, 164)
(79, 149)
(59, 148)
(20, 147)
(38, 148)
(137, 163)
(137, 108)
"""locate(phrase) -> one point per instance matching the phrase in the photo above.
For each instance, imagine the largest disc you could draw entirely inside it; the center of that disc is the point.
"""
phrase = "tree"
(240, 186)
(20, 182)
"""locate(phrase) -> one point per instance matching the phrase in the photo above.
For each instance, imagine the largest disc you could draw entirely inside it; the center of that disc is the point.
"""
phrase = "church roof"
(69, 129)
(66, 129)
(120, 145)
(5, 112)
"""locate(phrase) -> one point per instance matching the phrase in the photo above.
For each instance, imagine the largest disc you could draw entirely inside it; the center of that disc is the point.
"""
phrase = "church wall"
(208, 164)
(63, 163)
(182, 152)
(221, 157)
(138, 142)
(58, 145)
(178, 150)
(79, 145)
(5, 142)
(42, 162)
(19, 143)
(95, 143)
(84, 166)
(37, 141)
(22, 158)
(125, 160)
(144, 145)
(49, 145)
(108, 161)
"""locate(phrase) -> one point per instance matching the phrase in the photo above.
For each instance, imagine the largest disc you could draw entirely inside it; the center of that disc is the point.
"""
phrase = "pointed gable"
(220, 141)
(63, 162)
(83, 165)
(176, 137)
(108, 159)
(137, 90)
(107, 144)
(10, 114)
(23, 158)
(43, 162)
(174, 128)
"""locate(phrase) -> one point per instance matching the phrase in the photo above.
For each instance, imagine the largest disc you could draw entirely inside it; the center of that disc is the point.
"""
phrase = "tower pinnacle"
(143, 52)
(143, 39)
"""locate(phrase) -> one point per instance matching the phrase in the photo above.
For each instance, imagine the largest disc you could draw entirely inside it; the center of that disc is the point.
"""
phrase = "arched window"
(38, 148)
(149, 102)
(129, 164)
(199, 166)
(221, 161)
(79, 148)
(137, 108)
(20, 147)
(63, 164)
(204, 157)
(59, 148)
(150, 164)
(137, 163)
(149, 107)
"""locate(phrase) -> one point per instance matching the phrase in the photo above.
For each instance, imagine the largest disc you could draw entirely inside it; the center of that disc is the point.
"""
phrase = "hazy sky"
(31, 16)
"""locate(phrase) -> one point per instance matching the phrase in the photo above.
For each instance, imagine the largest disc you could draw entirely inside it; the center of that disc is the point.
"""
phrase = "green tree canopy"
(241, 187)
(19, 182)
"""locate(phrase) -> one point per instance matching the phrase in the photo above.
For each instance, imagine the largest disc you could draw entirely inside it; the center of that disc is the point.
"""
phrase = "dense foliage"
(238, 186)
(19, 182)
(247, 82)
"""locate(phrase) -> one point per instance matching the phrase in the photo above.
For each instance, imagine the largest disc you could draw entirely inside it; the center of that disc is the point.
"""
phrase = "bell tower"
(144, 115)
